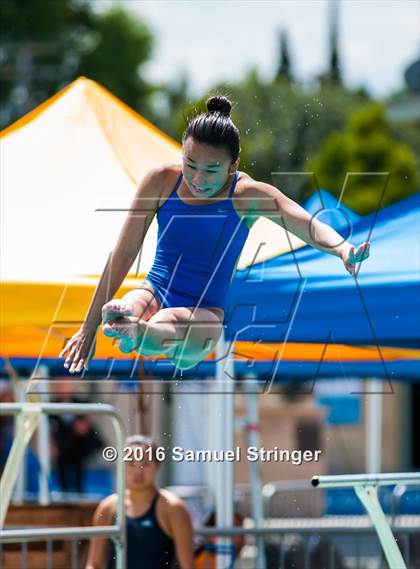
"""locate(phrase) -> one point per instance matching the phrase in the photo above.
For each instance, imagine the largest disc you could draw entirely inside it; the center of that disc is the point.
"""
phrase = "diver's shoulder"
(163, 173)
(246, 196)
(243, 187)
(168, 172)
(159, 181)
(244, 183)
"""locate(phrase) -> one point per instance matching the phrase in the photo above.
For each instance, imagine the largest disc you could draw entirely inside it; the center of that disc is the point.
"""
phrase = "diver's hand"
(79, 350)
(353, 256)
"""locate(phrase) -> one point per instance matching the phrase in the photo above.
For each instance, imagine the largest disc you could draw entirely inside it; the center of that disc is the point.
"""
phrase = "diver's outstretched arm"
(81, 346)
(269, 201)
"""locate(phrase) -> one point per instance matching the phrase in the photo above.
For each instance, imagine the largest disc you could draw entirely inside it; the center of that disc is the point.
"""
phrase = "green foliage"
(174, 108)
(122, 45)
(288, 133)
(284, 70)
(287, 130)
(281, 126)
(368, 159)
(41, 20)
(46, 44)
(408, 133)
(37, 57)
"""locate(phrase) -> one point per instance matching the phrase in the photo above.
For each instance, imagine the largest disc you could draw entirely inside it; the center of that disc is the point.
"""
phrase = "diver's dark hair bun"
(219, 104)
(215, 127)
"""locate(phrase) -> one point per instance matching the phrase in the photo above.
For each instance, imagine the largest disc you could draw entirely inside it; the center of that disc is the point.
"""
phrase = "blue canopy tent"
(383, 306)
(336, 215)
(307, 296)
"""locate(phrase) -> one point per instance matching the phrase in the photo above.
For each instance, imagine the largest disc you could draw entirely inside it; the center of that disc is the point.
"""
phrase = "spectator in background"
(159, 529)
(206, 554)
(74, 440)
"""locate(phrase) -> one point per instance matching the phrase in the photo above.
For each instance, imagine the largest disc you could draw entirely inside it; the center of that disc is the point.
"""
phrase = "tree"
(39, 51)
(284, 68)
(168, 106)
(333, 75)
(335, 71)
(282, 126)
(366, 147)
(122, 45)
(47, 44)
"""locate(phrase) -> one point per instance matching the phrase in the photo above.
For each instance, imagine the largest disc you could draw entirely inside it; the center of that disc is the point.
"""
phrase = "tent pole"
(18, 388)
(21, 481)
(224, 435)
(212, 442)
(254, 440)
(373, 426)
(43, 442)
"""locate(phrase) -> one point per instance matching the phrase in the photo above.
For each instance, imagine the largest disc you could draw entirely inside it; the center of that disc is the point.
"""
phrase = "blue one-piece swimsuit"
(197, 250)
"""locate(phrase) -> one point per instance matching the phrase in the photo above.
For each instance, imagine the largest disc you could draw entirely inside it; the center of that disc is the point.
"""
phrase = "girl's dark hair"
(215, 127)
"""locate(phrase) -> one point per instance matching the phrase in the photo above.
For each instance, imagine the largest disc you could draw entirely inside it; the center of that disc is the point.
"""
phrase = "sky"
(220, 40)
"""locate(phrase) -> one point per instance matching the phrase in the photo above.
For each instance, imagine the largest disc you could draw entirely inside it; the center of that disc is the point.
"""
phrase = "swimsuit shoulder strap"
(175, 188)
(233, 185)
(149, 512)
(173, 196)
(152, 510)
(178, 183)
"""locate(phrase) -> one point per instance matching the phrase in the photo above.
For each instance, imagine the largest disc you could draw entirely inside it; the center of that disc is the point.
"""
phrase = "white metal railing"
(330, 542)
(366, 488)
(27, 415)
(327, 531)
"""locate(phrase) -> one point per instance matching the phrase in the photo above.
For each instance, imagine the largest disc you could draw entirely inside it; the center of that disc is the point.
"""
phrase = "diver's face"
(140, 474)
(205, 168)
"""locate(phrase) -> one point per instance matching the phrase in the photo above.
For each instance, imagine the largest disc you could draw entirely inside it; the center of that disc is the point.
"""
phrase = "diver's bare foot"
(116, 309)
(128, 330)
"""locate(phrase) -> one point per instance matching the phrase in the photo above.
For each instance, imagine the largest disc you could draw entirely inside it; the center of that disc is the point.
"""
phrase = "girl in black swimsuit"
(158, 524)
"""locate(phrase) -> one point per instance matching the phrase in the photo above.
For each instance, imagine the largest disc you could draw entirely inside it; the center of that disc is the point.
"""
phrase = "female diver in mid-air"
(205, 209)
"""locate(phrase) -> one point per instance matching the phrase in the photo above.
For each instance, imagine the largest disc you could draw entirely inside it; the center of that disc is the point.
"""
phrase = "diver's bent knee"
(186, 363)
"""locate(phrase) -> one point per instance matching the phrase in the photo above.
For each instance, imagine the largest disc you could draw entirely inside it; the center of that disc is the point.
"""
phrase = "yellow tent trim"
(40, 316)
(109, 138)
(133, 113)
(46, 342)
(296, 351)
(87, 82)
(35, 112)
